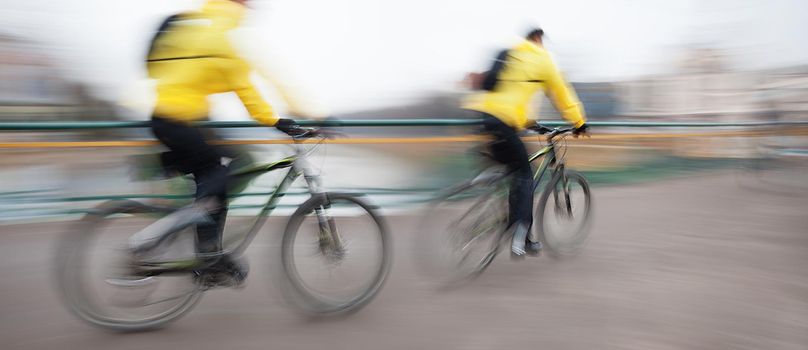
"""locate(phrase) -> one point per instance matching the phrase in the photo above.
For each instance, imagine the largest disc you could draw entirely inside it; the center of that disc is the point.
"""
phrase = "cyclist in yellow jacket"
(525, 70)
(192, 58)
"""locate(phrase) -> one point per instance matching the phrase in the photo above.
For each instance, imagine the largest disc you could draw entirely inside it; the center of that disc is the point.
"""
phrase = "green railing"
(57, 126)
(35, 197)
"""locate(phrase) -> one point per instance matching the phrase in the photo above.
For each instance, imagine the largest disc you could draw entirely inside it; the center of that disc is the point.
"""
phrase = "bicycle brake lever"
(541, 129)
(305, 133)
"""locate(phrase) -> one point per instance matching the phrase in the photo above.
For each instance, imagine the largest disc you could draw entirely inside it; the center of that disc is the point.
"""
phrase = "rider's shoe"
(237, 268)
(226, 272)
(520, 232)
(533, 248)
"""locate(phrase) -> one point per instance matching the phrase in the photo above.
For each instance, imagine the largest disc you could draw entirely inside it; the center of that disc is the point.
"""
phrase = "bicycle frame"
(298, 165)
(550, 160)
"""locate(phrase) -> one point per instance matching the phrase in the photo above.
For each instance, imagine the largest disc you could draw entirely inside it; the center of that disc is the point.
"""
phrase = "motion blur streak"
(699, 238)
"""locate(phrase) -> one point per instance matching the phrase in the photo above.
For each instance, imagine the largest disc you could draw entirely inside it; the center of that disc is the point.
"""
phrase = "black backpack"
(165, 27)
(491, 77)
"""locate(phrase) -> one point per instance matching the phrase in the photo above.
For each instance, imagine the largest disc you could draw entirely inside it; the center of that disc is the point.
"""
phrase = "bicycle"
(478, 208)
(148, 259)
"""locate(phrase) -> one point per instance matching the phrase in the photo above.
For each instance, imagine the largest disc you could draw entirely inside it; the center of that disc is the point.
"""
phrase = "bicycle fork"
(567, 209)
(329, 241)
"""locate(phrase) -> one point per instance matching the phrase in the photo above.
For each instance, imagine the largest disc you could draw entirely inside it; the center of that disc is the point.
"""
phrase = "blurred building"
(600, 100)
(703, 88)
(785, 91)
(33, 89)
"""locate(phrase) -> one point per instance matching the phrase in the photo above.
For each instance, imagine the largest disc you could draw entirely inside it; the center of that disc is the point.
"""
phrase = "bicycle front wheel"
(336, 254)
(564, 212)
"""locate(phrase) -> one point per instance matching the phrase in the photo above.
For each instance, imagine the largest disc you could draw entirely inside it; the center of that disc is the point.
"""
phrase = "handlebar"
(299, 133)
(308, 133)
(552, 132)
(304, 133)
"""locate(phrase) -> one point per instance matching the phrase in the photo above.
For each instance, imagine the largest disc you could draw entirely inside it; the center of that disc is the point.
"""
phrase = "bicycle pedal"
(234, 276)
(217, 280)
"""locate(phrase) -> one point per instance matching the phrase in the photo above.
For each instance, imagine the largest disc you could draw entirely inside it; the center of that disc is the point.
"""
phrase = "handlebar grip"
(559, 131)
(541, 129)
(305, 133)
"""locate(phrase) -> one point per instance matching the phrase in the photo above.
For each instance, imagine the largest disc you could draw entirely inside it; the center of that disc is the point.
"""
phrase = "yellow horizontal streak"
(386, 140)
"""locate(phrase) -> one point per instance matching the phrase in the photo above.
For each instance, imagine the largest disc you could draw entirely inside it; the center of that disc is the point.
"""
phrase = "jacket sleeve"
(236, 72)
(564, 98)
(258, 108)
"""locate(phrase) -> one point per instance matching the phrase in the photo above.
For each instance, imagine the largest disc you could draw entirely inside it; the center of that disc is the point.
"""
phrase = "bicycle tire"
(299, 292)
(490, 213)
(572, 246)
(73, 250)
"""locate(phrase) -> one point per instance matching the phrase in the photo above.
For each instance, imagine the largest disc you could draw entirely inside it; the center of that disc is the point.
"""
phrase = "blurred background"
(700, 235)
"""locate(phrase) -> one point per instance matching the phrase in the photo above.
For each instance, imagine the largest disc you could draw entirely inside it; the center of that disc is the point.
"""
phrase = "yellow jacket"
(195, 59)
(528, 69)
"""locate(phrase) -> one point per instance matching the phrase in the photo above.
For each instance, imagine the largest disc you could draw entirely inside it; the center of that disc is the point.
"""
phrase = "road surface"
(687, 263)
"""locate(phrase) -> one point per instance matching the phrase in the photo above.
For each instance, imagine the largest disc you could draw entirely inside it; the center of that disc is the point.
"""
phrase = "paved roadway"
(688, 263)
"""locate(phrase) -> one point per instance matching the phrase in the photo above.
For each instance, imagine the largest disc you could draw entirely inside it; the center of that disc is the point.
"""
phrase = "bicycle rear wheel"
(564, 211)
(461, 231)
(94, 275)
(335, 254)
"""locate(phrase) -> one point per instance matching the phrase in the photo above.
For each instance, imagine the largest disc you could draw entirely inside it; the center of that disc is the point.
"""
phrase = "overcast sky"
(355, 54)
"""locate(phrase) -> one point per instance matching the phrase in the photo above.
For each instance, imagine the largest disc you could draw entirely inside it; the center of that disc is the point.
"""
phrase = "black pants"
(507, 148)
(191, 153)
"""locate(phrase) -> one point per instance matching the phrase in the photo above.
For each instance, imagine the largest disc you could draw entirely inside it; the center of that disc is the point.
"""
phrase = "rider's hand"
(581, 130)
(290, 127)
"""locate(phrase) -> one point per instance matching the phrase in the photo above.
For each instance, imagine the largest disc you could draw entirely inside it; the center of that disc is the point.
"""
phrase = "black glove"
(581, 129)
(290, 127)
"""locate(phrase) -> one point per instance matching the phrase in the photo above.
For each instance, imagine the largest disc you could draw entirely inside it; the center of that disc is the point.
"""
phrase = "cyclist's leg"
(508, 149)
(521, 194)
(211, 185)
(192, 154)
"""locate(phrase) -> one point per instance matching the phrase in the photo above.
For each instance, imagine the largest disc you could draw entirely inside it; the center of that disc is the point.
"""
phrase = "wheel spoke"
(352, 263)
(118, 299)
(462, 232)
(176, 297)
(564, 230)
